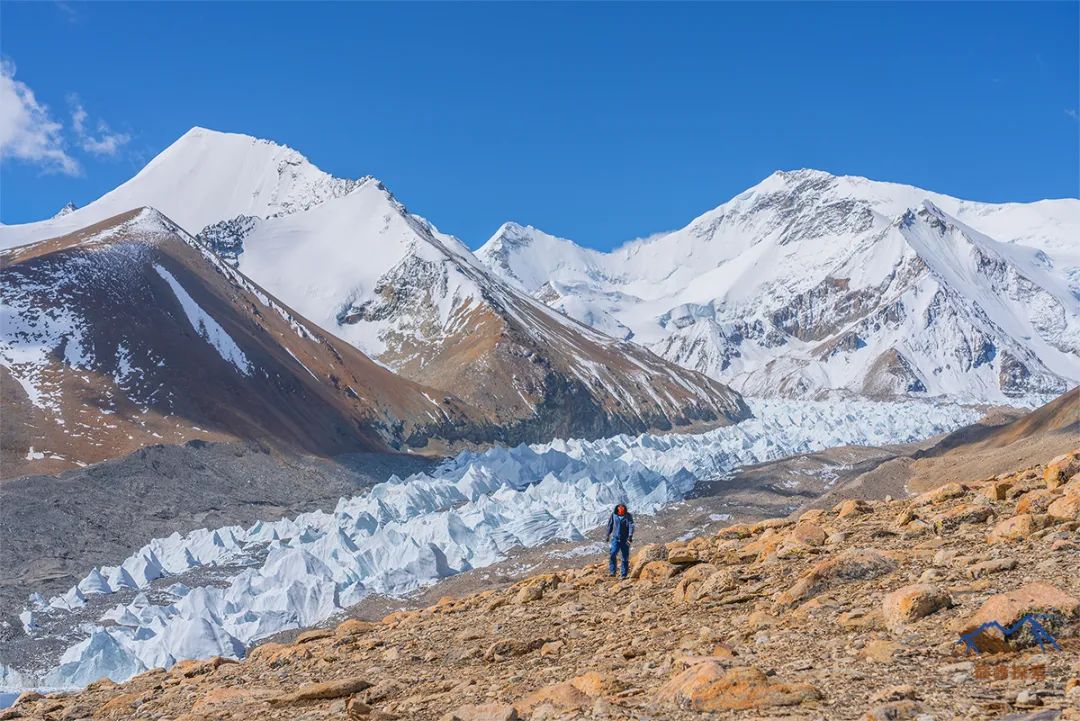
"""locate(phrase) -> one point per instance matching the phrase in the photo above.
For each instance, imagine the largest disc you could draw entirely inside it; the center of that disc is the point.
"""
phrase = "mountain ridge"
(720, 294)
(748, 293)
(350, 256)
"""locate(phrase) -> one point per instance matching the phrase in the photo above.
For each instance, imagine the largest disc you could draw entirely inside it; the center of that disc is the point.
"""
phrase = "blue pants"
(618, 547)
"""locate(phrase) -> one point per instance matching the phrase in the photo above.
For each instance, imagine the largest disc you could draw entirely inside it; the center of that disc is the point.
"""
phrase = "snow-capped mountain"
(203, 178)
(809, 284)
(417, 300)
(350, 257)
(131, 333)
(69, 207)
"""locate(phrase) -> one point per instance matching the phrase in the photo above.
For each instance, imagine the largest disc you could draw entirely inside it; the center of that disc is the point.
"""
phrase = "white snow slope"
(809, 285)
(408, 533)
(203, 178)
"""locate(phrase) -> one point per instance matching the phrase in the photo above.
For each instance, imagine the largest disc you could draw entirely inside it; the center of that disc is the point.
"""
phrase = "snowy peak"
(417, 300)
(530, 258)
(203, 178)
(810, 284)
(69, 207)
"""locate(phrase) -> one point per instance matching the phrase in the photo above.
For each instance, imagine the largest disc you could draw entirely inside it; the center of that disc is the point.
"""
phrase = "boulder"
(321, 691)
(594, 683)
(353, 627)
(528, 593)
(682, 554)
(1016, 528)
(879, 650)
(657, 570)
(1036, 502)
(1061, 469)
(1066, 508)
(646, 554)
(686, 590)
(814, 515)
(552, 648)
(717, 584)
(956, 517)
(852, 507)
(854, 565)
(559, 697)
(987, 568)
(808, 533)
(709, 686)
(939, 495)
(315, 634)
(996, 490)
(910, 603)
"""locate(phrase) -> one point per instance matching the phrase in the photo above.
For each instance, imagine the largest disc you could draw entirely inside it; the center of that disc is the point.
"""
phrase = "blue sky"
(598, 122)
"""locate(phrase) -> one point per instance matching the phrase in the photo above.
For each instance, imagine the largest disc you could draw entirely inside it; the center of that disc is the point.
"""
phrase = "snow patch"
(206, 326)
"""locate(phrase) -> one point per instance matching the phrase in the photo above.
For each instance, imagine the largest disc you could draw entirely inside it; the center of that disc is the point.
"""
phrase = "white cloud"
(105, 142)
(1071, 112)
(27, 130)
(645, 238)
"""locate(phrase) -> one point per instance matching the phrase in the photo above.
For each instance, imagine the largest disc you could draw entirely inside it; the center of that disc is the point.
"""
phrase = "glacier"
(404, 534)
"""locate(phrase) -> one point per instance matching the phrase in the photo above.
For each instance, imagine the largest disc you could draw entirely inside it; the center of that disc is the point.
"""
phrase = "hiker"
(620, 532)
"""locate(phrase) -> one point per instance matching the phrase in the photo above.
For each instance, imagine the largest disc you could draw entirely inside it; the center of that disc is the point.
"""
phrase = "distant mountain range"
(122, 328)
(231, 288)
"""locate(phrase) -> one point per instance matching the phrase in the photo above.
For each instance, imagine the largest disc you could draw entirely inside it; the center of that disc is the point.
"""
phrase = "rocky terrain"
(852, 612)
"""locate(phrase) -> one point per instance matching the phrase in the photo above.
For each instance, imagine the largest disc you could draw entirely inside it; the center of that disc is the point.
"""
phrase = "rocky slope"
(809, 284)
(855, 612)
(130, 333)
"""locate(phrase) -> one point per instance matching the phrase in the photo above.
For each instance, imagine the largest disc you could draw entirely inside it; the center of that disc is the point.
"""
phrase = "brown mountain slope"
(129, 333)
(857, 612)
(980, 451)
(420, 302)
(527, 367)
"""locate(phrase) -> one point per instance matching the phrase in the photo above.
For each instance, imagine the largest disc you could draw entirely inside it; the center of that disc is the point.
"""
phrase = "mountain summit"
(202, 178)
(810, 284)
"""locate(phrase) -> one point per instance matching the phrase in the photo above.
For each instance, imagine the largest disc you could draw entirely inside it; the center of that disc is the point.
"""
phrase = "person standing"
(620, 533)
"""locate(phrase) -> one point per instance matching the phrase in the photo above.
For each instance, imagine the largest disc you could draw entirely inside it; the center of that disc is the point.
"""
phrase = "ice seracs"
(403, 534)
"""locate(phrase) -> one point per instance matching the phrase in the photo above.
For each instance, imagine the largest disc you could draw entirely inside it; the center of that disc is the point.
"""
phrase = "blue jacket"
(621, 527)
